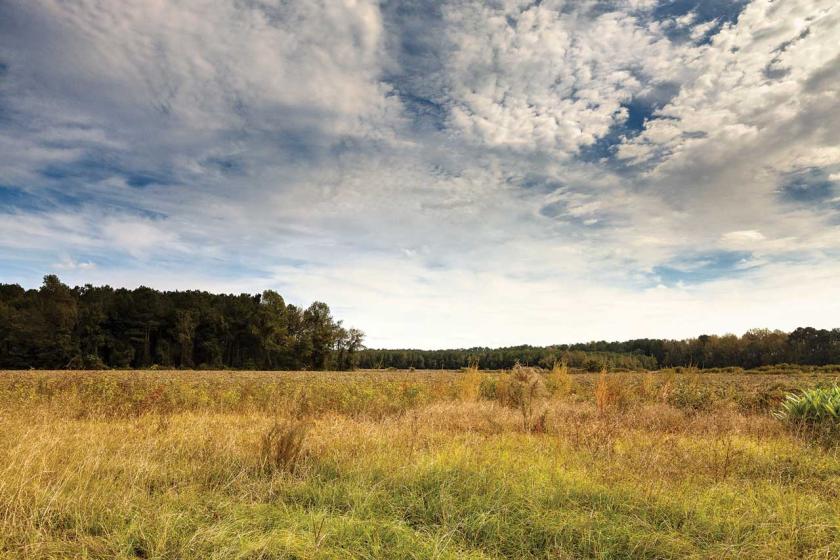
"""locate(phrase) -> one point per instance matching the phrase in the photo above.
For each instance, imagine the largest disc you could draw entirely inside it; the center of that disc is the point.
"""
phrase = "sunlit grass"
(402, 465)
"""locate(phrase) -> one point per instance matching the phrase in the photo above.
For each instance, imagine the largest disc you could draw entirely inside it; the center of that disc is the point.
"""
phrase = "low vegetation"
(524, 463)
(814, 406)
(816, 412)
(281, 446)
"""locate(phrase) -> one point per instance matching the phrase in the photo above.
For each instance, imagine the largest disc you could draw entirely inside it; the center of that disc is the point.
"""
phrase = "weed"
(647, 387)
(814, 413)
(164, 465)
(526, 391)
(725, 456)
(610, 393)
(813, 406)
(281, 446)
(470, 384)
(560, 382)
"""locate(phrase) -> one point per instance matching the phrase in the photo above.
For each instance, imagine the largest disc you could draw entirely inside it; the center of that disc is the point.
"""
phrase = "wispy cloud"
(442, 173)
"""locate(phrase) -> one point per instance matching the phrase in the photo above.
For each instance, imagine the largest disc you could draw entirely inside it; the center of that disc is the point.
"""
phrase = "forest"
(755, 348)
(58, 327)
(88, 327)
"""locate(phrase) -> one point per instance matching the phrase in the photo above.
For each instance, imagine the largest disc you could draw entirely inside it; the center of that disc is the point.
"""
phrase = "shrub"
(814, 406)
(609, 392)
(501, 390)
(487, 388)
(592, 365)
(691, 395)
(815, 412)
(469, 384)
(560, 383)
(525, 390)
(647, 389)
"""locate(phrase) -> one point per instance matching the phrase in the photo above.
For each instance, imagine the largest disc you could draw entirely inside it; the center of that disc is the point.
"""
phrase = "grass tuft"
(281, 446)
(469, 386)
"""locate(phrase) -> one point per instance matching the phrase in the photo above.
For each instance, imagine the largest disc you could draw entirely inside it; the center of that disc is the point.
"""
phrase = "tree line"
(56, 327)
(504, 358)
(755, 348)
(90, 327)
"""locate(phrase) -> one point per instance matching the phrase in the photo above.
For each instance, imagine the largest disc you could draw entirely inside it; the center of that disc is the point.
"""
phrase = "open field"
(422, 464)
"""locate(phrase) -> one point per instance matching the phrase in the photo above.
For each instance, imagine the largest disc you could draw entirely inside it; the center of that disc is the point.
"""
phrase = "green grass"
(399, 465)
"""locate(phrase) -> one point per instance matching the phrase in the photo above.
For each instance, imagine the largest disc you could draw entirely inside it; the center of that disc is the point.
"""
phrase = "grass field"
(176, 464)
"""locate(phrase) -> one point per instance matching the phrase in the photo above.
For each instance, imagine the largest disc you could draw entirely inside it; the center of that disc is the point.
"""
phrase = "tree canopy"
(756, 348)
(57, 326)
(94, 327)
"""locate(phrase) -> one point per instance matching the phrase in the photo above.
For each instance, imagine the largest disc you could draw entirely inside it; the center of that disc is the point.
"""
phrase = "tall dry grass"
(611, 393)
(404, 467)
(560, 382)
(469, 385)
(281, 446)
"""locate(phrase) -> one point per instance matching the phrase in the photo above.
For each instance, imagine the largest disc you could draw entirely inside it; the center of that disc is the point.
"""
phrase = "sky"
(441, 173)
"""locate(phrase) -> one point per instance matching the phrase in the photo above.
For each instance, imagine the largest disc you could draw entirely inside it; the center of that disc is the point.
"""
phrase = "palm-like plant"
(813, 406)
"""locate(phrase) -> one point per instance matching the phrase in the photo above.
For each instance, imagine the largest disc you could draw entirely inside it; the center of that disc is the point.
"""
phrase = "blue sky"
(442, 174)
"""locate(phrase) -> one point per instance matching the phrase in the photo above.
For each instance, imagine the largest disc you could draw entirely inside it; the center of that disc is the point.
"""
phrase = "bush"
(560, 382)
(691, 396)
(525, 391)
(592, 365)
(814, 406)
(469, 385)
(610, 393)
(488, 388)
(814, 412)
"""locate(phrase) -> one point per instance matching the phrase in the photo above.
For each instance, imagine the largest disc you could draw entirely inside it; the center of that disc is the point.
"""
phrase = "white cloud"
(198, 62)
(732, 108)
(409, 305)
(238, 146)
(70, 264)
(546, 75)
(743, 236)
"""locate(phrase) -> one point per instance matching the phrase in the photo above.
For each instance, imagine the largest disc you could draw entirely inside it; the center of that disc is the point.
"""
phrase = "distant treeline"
(57, 327)
(756, 348)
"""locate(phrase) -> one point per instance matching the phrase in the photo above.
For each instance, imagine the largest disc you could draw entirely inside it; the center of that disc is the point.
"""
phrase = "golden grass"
(469, 383)
(399, 465)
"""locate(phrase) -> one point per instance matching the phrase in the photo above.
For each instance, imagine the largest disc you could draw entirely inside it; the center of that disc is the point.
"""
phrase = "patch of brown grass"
(281, 446)
(610, 393)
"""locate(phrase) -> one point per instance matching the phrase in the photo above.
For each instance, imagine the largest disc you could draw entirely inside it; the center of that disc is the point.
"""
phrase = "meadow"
(414, 464)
